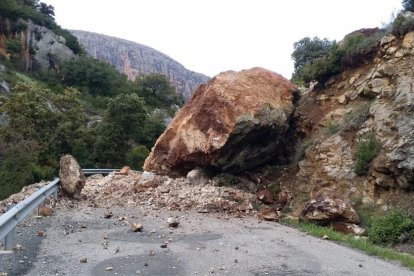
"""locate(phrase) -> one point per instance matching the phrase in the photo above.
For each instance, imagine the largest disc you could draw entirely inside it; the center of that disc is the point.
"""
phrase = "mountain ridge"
(135, 59)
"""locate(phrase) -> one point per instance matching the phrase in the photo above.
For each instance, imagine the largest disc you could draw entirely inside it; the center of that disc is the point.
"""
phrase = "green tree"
(307, 50)
(136, 156)
(158, 92)
(408, 5)
(46, 9)
(122, 127)
(93, 76)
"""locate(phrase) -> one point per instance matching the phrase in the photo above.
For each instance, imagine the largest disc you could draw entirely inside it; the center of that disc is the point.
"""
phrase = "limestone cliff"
(135, 59)
(40, 48)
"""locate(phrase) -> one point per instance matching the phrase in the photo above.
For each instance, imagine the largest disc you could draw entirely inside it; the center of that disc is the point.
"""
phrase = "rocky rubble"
(154, 191)
(22, 195)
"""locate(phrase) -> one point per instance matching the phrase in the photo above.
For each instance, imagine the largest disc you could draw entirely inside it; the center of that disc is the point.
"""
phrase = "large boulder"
(328, 206)
(235, 122)
(71, 177)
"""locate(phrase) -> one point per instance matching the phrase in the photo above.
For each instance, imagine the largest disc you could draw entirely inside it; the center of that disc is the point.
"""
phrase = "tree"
(122, 127)
(307, 50)
(92, 76)
(158, 92)
(408, 5)
(46, 9)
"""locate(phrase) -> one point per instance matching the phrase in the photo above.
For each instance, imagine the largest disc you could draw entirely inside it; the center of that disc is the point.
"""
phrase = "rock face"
(235, 122)
(40, 47)
(71, 177)
(379, 105)
(327, 206)
(135, 59)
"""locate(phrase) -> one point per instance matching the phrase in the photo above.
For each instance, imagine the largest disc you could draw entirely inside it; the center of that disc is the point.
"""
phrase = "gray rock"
(4, 119)
(239, 153)
(386, 70)
(4, 86)
(71, 177)
(387, 39)
(50, 49)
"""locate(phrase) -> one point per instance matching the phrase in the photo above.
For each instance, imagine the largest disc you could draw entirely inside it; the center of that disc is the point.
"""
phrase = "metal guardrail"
(18, 213)
(98, 171)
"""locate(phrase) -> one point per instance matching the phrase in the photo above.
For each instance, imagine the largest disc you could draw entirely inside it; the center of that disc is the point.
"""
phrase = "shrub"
(318, 60)
(332, 128)
(13, 46)
(402, 25)
(360, 46)
(394, 227)
(136, 156)
(367, 150)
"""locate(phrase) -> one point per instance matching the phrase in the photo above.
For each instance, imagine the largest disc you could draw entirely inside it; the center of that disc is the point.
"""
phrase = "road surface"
(80, 241)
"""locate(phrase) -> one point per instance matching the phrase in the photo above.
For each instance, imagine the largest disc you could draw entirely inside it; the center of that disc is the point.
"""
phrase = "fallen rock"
(343, 99)
(172, 222)
(123, 171)
(221, 125)
(269, 214)
(328, 206)
(136, 227)
(266, 197)
(45, 211)
(348, 228)
(83, 260)
(41, 233)
(71, 177)
(108, 215)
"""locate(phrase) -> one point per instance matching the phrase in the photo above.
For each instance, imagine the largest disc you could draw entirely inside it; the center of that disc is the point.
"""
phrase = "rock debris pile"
(147, 189)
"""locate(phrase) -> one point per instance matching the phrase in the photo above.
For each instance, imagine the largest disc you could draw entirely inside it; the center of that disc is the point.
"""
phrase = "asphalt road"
(202, 244)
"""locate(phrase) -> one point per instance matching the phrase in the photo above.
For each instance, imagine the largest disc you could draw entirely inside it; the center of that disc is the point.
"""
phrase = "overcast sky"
(219, 35)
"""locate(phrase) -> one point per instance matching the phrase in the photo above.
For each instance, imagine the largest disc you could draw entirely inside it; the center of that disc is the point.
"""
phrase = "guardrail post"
(9, 239)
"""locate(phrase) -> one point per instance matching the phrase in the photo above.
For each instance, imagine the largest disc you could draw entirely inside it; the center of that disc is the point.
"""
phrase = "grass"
(332, 128)
(362, 244)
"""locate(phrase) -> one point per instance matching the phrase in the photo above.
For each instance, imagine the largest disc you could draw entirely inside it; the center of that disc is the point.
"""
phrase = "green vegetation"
(402, 25)
(332, 128)
(319, 59)
(159, 93)
(358, 243)
(120, 130)
(41, 126)
(367, 149)
(394, 227)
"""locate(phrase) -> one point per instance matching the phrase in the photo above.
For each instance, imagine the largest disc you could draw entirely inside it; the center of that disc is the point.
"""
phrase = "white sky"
(219, 35)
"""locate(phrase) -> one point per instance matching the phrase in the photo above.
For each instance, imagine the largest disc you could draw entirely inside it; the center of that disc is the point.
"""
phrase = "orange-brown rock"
(235, 122)
(328, 206)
